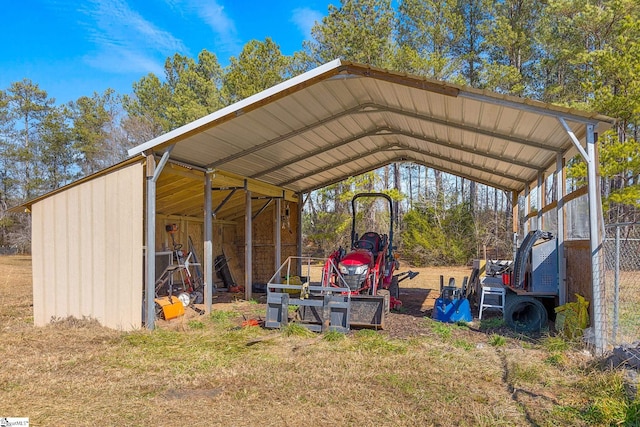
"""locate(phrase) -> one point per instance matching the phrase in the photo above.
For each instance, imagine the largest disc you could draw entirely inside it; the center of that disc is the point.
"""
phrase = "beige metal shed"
(342, 119)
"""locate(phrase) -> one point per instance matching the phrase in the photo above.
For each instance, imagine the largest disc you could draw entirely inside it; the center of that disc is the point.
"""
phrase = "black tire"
(394, 288)
(525, 314)
(387, 301)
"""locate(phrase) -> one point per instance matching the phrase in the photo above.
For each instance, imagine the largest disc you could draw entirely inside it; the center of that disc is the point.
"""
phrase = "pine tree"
(427, 30)
(28, 106)
(57, 153)
(357, 30)
(259, 66)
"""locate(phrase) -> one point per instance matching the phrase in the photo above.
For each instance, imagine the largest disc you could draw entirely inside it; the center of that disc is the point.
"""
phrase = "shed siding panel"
(49, 266)
(72, 271)
(60, 257)
(86, 273)
(37, 255)
(98, 261)
(87, 258)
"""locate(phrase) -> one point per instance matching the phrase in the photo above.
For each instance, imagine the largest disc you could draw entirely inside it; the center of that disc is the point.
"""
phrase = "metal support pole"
(150, 286)
(515, 227)
(299, 207)
(527, 207)
(595, 234)
(153, 173)
(248, 246)
(278, 235)
(208, 244)
(616, 289)
(560, 232)
(540, 201)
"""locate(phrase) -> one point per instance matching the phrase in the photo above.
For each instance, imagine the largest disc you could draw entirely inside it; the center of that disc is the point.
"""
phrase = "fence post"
(616, 288)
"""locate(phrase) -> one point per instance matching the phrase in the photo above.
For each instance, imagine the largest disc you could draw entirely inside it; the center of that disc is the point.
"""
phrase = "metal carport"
(342, 119)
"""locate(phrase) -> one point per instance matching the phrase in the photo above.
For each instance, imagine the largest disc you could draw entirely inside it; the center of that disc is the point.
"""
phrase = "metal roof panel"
(344, 118)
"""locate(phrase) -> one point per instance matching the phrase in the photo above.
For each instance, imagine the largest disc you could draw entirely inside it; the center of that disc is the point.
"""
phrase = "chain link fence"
(622, 282)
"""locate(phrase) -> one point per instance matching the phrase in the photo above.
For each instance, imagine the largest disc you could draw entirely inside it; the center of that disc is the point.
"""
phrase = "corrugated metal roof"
(342, 119)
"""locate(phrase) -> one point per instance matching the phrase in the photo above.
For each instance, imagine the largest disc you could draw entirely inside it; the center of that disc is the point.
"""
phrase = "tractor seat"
(374, 242)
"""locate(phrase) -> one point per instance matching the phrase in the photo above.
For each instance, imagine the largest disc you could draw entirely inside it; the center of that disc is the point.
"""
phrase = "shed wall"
(87, 251)
(263, 250)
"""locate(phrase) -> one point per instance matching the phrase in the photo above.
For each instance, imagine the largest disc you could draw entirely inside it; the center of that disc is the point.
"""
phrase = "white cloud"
(121, 60)
(305, 18)
(125, 40)
(212, 13)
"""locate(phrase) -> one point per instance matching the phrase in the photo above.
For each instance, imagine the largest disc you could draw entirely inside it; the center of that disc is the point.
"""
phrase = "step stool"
(497, 296)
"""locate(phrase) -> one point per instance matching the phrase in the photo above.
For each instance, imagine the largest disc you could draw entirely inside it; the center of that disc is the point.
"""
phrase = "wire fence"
(622, 283)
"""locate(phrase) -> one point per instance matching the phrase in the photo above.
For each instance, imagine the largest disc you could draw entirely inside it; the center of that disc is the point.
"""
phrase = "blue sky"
(74, 48)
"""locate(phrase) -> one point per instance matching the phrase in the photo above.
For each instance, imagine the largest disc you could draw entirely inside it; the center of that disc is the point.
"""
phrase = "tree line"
(578, 53)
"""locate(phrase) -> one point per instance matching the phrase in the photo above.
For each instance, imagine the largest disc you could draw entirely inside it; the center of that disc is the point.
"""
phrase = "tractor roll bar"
(353, 217)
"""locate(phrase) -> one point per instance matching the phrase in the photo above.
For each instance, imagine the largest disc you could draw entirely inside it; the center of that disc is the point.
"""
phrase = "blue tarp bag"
(452, 310)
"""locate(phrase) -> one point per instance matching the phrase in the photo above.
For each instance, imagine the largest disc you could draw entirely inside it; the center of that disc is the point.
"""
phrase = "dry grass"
(212, 372)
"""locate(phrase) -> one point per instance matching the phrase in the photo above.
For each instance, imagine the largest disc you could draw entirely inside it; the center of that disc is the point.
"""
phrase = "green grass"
(220, 316)
(521, 374)
(292, 309)
(442, 330)
(555, 359)
(196, 324)
(463, 344)
(609, 404)
(333, 336)
(372, 341)
(491, 323)
(296, 329)
(629, 322)
(497, 340)
(554, 344)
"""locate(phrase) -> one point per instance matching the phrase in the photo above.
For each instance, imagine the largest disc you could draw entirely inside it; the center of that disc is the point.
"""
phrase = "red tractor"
(368, 269)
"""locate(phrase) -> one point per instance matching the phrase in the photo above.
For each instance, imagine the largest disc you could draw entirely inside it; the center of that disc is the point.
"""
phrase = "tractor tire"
(387, 300)
(394, 288)
(524, 313)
